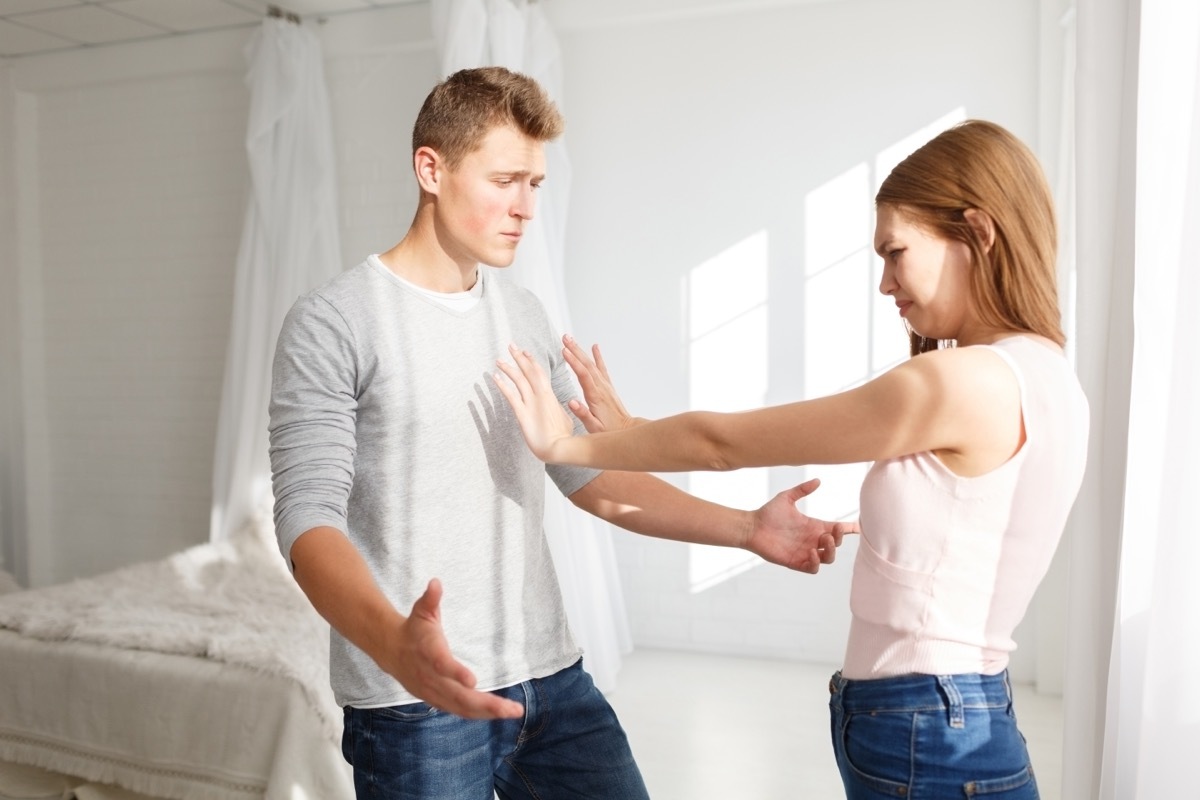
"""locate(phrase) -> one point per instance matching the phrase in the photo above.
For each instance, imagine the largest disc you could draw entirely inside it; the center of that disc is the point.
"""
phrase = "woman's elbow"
(720, 454)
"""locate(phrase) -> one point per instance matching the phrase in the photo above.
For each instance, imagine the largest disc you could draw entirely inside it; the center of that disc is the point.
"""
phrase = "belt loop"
(954, 701)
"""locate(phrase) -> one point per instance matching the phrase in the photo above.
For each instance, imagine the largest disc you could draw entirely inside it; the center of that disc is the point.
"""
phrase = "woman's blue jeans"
(922, 737)
(569, 745)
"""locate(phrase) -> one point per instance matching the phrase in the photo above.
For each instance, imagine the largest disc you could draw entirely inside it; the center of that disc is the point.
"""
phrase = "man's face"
(484, 202)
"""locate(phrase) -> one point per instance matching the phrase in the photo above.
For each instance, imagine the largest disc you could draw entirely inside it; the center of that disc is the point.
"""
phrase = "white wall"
(690, 133)
(10, 335)
(693, 125)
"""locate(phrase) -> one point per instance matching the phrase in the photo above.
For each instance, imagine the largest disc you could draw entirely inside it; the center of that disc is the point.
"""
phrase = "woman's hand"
(543, 420)
(603, 409)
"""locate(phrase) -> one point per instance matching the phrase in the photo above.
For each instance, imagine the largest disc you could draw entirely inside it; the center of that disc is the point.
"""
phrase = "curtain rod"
(279, 13)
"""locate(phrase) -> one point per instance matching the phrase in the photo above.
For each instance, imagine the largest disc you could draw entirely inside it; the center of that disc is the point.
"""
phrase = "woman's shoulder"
(972, 375)
(957, 361)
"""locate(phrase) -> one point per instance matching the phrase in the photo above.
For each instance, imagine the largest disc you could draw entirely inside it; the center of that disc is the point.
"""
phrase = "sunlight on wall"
(727, 355)
(851, 334)
(839, 322)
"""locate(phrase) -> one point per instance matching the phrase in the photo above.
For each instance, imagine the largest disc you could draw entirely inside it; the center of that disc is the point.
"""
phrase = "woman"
(978, 443)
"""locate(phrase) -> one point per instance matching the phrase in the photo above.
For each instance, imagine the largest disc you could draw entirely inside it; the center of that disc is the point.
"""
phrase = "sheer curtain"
(289, 245)
(517, 35)
(1132, 712)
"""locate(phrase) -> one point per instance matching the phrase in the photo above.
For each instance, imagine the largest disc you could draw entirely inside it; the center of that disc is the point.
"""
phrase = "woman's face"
(926, 275)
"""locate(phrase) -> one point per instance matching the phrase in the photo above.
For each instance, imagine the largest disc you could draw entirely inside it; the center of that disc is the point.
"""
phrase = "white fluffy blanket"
(233, 602)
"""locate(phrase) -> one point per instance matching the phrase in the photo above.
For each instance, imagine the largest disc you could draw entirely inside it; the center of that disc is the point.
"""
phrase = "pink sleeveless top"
(947, 565)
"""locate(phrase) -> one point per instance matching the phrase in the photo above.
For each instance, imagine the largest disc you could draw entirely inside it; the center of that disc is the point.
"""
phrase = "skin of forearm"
(648, 505)
(338, 583)
(681, 443)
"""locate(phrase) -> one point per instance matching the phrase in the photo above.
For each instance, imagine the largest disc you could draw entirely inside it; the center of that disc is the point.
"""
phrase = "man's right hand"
(413, 650)
(425, 666)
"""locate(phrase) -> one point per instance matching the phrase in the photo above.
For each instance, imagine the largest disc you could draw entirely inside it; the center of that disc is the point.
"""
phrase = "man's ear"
(428, 167)
(985, 229)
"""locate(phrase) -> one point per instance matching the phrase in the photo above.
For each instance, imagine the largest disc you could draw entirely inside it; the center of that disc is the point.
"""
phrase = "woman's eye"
(894, 254)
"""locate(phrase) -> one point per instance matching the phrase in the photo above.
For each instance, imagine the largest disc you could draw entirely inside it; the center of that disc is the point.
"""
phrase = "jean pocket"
(1019, 786)
(873, 758)
(409, 712)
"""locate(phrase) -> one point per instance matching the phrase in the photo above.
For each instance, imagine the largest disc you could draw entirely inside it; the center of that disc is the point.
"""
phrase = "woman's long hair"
(978, 164)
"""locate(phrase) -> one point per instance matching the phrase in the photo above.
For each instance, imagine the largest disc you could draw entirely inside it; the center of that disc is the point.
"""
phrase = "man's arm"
(411, 649)
(777, 532)
(313, 414)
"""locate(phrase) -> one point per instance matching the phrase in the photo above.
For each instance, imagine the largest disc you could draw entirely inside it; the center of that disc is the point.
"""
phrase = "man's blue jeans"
(929, 736)
(569, 744)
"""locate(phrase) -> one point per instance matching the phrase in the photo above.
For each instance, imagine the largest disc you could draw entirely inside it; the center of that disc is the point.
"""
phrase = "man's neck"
(419, 259)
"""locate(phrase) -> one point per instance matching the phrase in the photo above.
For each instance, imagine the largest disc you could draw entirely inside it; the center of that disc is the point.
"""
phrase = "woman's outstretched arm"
(943, 401)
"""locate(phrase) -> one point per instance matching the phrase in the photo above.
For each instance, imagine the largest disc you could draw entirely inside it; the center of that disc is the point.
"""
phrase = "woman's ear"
(985, 229)
(427, 165)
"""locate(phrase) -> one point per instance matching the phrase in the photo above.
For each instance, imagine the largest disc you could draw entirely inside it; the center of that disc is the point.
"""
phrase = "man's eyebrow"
(520, 173)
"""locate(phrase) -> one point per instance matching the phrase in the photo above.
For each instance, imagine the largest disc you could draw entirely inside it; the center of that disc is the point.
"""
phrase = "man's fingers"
(449, 694)
(827, 548)
(427, 605)
(472, 704)
(797, 493)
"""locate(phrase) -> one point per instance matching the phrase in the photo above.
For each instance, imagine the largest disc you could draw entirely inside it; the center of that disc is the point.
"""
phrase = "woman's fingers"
(525, 373)
(591, 423)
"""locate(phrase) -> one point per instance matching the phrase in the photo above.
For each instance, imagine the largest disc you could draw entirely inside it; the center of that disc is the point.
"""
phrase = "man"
(400, 474)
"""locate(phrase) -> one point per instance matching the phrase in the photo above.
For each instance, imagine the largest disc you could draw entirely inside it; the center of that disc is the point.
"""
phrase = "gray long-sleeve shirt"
(385, 424)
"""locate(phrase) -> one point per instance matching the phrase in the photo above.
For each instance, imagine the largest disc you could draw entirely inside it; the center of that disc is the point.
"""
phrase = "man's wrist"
(748, 522)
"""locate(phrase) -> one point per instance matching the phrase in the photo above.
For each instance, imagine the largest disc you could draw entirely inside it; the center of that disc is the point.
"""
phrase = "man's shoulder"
(512, 294)
(342, 293)
(332, 302)
(349, 284)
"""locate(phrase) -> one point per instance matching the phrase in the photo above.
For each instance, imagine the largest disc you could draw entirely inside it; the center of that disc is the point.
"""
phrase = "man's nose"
(526, 203)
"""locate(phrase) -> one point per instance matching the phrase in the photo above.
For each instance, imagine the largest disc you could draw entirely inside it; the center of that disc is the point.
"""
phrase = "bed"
(203, 676)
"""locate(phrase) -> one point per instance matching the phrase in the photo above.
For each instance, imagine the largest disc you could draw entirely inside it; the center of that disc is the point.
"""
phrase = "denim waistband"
(910, 692)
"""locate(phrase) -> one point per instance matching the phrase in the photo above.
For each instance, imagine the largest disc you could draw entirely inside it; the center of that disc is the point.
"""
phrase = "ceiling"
(29, 27)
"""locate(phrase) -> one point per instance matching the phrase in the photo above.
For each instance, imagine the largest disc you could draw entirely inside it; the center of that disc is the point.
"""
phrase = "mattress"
(164, 725)
(201, 676)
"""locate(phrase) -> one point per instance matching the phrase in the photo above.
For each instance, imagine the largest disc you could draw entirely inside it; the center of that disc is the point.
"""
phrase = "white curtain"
(517, 35)
(1132, 710)
(289, 245)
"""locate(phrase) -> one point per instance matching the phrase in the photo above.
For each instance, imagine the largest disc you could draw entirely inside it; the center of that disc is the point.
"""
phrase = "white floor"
(707, 727)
